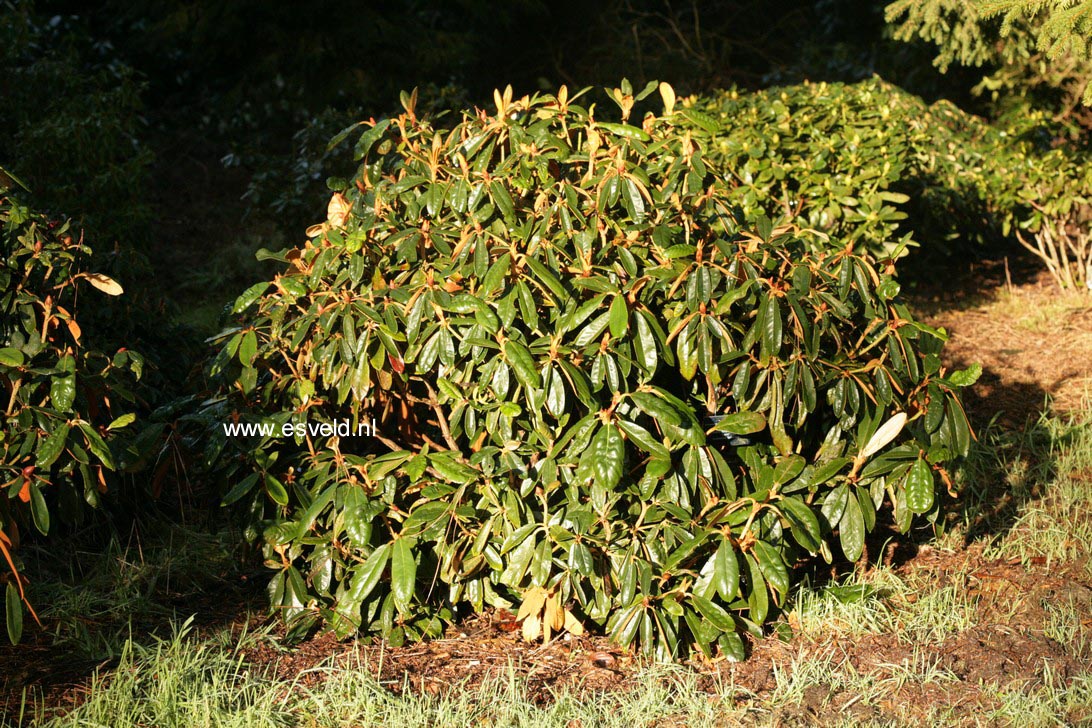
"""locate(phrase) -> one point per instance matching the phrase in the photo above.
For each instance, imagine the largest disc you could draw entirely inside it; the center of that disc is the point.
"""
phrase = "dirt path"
(1032, 340)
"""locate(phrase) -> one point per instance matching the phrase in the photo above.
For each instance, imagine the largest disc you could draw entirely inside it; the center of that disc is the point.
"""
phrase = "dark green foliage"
(72, 127)
(68, 408)
(71, 124)
(541, 311)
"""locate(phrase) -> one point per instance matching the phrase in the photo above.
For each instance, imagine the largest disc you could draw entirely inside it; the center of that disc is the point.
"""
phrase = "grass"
(1068, 624)
(1047, 472)
(1055, 703)
(183, 681)
(883, 601)
(1040, 313)
(1024, 506)
(90, 596)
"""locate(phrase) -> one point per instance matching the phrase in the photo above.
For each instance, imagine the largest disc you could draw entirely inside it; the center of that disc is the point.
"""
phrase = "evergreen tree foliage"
(1031, 45)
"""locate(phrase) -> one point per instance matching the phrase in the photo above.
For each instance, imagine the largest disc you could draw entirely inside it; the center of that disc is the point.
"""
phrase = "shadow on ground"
(95, 592)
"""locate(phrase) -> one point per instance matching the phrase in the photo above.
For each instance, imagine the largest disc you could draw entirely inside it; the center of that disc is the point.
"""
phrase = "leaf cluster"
(1027, 43)
(602, 392)
(67, 407)
(828, 156)
(872, 166)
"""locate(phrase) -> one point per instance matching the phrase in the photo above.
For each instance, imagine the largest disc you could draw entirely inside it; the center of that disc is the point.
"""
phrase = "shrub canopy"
(603, 394)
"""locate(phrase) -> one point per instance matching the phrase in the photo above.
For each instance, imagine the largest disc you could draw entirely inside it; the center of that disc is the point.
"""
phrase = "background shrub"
(545, 313)
(71, 123)
(1035, 54)
(827, 155)
(68, 407)
(870, 165)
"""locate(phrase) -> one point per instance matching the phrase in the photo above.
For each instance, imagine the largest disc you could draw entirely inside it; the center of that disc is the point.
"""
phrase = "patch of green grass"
(186, 681)
(182, 681)
(852, 608)
(809, 669)
(1066, 625)
(935, 615)
(1055, 703)
(175, 682)
(883, 601)
(91, 596)
(921, 668)
(1057, 527)
(1002, 472)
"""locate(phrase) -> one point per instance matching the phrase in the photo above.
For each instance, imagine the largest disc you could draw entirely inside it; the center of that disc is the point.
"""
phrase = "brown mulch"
(1032, 340)
(477, 650)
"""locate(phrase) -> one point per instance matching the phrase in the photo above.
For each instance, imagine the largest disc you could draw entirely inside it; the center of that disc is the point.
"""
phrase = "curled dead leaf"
(543, 615)
(533, 601)
(337, 212)
(573, 625)
(668, 95)
(532, 628)
(104, 283)
(883, 436)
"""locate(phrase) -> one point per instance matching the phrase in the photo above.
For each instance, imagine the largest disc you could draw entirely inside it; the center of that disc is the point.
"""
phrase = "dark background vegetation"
(123, 91)
(178, 131)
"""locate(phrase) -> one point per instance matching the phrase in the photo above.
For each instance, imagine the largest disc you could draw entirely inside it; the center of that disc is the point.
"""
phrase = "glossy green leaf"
(240, 489)
(726, 571)
(619, 317)
(742, 423)
(52, 446)
(97, 445)
(656, 408)
(851, 528)
(62, 393)
(403, 572)
(803, 523)
(249, 296)
(919, 487)
(523, 364)
(605, 457)
(713, 613)
(773, 569)
(14, 613)
(275, 489)
(11, 358)
(38, 509)
(772, 328)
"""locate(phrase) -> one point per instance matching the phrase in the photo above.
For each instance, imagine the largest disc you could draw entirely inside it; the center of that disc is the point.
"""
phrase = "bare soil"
(1033, 341)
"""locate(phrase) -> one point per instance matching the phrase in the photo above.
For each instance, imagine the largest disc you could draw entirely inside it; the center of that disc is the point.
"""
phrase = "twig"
(440, 419)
